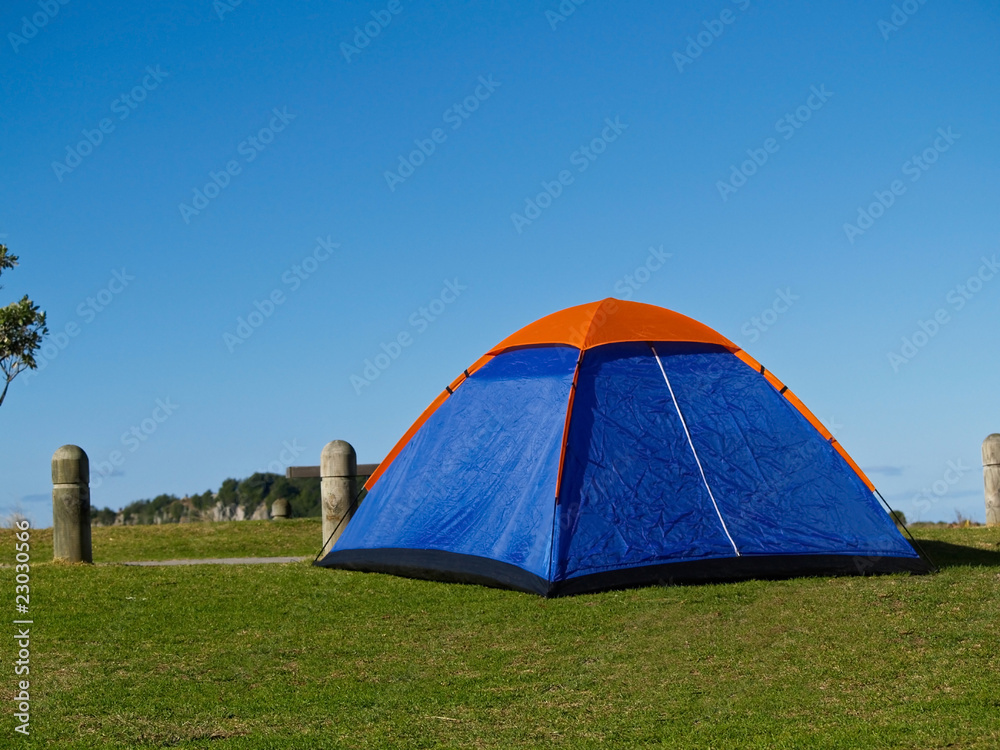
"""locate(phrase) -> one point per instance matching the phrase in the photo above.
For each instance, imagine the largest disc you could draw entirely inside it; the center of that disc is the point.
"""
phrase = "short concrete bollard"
(991, 476)
(279, 509)
(71, 505)
(338, 487)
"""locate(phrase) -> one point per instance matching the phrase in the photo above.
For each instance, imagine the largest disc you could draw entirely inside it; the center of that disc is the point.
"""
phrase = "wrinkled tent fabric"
(618, 444)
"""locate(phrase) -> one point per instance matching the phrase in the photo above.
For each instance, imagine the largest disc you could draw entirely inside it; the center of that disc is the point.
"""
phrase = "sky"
(229, 210)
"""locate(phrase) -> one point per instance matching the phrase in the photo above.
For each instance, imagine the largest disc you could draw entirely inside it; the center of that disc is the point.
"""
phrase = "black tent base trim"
(727, 569)
(434, 565)
(450, 566)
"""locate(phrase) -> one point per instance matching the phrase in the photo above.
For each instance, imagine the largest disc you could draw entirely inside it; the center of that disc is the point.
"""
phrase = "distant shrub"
(258, 490)
(102, 517)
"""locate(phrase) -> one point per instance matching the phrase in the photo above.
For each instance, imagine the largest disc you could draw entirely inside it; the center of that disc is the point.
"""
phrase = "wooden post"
(338, 480)
(991, 477)
(279, 509)
(71, 505)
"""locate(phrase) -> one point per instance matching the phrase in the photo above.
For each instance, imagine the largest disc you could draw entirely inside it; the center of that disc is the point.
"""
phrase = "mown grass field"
(296, 537)
(275, 656)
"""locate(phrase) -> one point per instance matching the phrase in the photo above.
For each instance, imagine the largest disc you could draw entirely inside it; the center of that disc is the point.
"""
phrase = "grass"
(275, 656)
(292, 538)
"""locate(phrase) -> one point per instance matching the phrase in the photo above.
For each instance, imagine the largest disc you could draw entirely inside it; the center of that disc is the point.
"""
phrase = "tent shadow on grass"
(948, 555)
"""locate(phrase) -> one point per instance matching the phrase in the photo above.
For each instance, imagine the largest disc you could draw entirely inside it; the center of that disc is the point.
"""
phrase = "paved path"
(219, 561)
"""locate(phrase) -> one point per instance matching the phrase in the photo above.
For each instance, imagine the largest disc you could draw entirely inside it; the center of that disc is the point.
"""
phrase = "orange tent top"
(611, 321)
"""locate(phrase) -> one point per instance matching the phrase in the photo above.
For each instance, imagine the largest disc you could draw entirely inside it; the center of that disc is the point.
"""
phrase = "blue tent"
(618, 444)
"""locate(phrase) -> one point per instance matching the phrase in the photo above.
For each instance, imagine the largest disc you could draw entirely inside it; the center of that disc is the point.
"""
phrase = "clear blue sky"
(839, 99)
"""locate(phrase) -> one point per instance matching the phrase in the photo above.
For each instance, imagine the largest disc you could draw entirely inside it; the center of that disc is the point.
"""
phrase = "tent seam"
(562, 459)
(695, 452)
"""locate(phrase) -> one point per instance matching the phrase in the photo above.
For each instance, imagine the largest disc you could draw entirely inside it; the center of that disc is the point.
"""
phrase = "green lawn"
(293, 538)
(275, 656)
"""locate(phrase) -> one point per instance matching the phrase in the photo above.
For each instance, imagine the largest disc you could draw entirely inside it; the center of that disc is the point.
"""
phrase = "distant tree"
(22, 326)
(255, 489)
(203, 501)
(305, 501)
(228, 492)
(898, 517)
(176, 510)
(102, 517)
(303, 497)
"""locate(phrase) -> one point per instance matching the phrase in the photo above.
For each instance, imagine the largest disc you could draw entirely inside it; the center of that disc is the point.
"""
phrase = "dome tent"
(617, 444)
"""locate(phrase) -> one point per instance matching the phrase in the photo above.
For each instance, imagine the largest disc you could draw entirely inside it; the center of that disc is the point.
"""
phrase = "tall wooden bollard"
(338, 468)
(991, 476)
(71, 505)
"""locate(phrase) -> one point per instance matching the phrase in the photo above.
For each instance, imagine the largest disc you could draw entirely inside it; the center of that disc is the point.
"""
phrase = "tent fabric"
(767, 466)
(559, 468)
(632, 493)
(804, 410)
(781, 488)
(479, 477)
